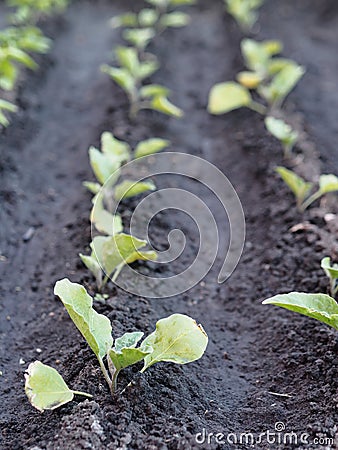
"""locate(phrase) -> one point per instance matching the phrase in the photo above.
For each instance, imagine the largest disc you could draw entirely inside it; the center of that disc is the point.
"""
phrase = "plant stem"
(257, 107)
(310, 200)
(106, 375)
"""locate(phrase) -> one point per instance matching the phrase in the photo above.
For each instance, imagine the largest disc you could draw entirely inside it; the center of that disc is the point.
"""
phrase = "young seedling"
(245, 12)
(46, 389)
(130, 76)
(283, 132)
(301, 188)
(109, 254)
(30, 11)
(177, 338)
(272, 79)
(332, 273)
(321, 307)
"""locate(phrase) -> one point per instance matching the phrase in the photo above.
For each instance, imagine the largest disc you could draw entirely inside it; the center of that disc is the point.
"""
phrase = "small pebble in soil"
(28, 234)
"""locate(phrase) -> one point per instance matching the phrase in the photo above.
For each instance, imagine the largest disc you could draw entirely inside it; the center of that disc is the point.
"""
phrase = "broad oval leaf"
(317, 306)
(94, 327)
(330, 270)
(249, 80)
(281, 130)
(118, 151)
(45, 387)
(150, 146)
(177, 338)
(175, 19)
(225, 97)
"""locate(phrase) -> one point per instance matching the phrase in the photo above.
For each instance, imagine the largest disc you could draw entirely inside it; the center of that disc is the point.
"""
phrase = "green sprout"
(177, 339)
(321, 307)
(332, 273)
(302, 188)
(245, 12)
(271, 78)
(130, 76)
(283, 132)
(6, 106)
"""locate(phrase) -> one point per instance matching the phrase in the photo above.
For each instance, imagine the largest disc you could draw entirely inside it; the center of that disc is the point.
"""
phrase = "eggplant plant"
(245, 12)
(302, 189)
(321, 307)
(332, 273)
(106, 164)
(109, 254)
(16, 44)
(130, 75)
(177, 339)
(271, 78)
(30, 11)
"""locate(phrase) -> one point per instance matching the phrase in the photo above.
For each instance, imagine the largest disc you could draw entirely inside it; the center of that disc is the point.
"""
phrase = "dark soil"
(255, 352)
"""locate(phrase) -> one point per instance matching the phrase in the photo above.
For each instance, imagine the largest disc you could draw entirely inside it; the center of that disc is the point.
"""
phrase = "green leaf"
(139, 37)
(331, 271)
(152, 90)
(250, 80)
(94, 327)
(128, 340)
(146, 69)
(328, 183)
(102, 165)
(124, 20)
(45, 387)
(118, 151)
(257, 55)
(148, 17)
(104, 221)
(129, 188)
(225, 97)
(282, 131)
(244, 11)
(317, 306)
(174, 19)
(93, 266)
(282, 83)
(6, 106)
(177, 339)
(150, 146)
(298, 185)
(92, 187)
(163, 105)
(128, 58)
(117, 250)
(121, 77)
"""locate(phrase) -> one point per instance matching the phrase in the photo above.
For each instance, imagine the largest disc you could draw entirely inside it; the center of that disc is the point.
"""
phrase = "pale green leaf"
(129, 188)
(148, 17)
(124, 20)
(317, 306)
(92, 187)
(102, 165)
(330, 270)
(45, 387)
(282, 131)
(328, 183)
(139, 37)
(163, 105)
(152, 90)
(121, 77)
(104, 221)
(225, 97)
(95, 328)
(177, 338)
(175, 19)
(298, 185)
(257, 55)
(129, 340)
(150, 146)
(118, 151)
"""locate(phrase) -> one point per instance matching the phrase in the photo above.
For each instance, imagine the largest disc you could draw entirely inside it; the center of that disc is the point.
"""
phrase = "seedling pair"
(302, 189)
(177, 338)
(130, 74)
(272, 78)
(245, 12)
